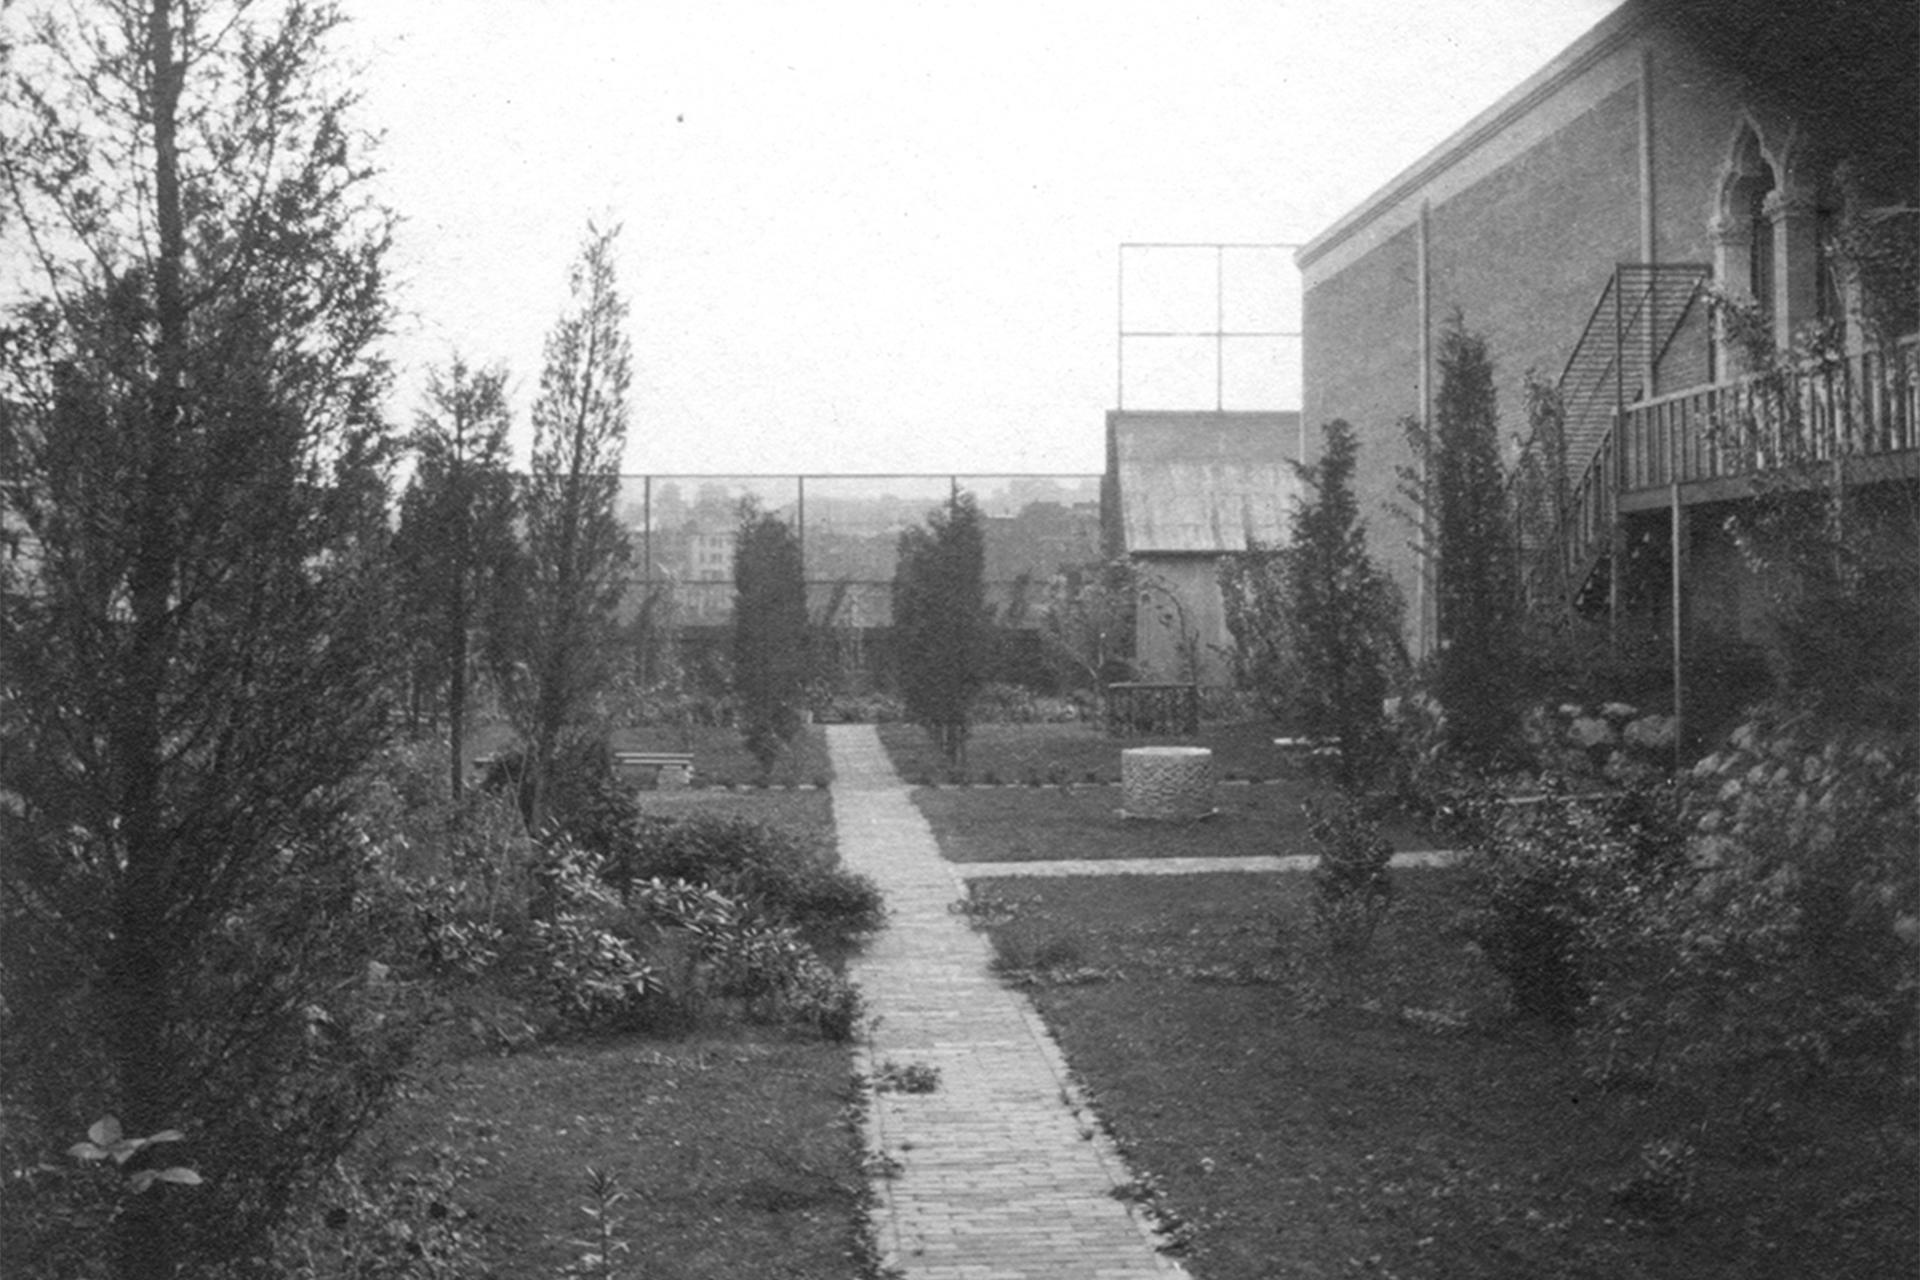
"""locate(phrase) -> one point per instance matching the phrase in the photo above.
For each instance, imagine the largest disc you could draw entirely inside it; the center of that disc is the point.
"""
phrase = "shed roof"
(1200, 483)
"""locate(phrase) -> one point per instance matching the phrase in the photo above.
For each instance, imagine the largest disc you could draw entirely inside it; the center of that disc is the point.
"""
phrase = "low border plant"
(1352, 889)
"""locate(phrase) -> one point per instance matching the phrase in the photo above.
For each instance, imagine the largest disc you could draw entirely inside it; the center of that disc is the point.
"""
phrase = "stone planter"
(1166, 782)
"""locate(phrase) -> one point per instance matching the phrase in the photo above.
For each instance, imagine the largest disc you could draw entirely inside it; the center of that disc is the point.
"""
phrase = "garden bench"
(681, 762)
(670, 768)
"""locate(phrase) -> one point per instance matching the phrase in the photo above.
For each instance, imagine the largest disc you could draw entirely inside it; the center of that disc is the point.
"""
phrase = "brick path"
(1000, 1171)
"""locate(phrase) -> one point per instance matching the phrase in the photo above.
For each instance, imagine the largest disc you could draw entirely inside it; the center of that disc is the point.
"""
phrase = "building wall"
(1617, 151)
(1361, 351)
(1194, 582)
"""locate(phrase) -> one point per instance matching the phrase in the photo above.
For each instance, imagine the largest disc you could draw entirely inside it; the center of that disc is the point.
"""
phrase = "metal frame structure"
(1219, 333)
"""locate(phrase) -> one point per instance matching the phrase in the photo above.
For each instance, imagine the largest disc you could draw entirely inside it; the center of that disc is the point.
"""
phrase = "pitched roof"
(1201, 483)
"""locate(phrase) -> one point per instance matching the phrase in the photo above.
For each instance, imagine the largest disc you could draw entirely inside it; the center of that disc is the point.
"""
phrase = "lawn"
(732, 1147)
(1026, 753)
(1016, 824)
(720, 757)
(1388, 1118)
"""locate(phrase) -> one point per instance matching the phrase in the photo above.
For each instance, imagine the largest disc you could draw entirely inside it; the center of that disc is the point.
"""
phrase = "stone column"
(1796, 259)
(1733, 268)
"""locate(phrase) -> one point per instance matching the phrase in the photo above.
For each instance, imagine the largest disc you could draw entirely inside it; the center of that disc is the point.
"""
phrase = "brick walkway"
(999, 1173)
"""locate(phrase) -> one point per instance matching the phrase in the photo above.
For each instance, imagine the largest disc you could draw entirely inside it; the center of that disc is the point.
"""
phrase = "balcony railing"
(1856, 407)
(1709, 442)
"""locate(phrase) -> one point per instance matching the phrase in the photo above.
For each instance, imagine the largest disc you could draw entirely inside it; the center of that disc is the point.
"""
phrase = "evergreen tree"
(455, 549)
(577, 551)
(1479, 674)
(940, 621)
(195, 642)
(771, 649)
(1342, 616)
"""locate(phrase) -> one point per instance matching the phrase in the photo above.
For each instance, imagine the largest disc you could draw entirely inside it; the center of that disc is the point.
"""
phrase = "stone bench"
(671, 769)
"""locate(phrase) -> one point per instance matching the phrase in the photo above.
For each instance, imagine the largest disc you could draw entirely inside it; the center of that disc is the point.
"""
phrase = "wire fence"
(683, 529)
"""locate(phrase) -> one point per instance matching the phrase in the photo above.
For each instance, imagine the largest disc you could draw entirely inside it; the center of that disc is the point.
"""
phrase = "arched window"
(1743, 231)
(1765, 225)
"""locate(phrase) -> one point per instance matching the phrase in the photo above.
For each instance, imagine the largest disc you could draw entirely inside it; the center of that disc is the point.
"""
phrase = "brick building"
(1579, 223)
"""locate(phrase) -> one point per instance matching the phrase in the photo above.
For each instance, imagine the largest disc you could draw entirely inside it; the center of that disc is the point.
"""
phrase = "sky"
(886, 237)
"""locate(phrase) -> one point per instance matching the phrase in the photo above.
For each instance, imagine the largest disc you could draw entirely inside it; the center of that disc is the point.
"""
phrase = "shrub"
(1556, 884)
(1352, 891)
(389, 1218)
(736, 953)
(780, 875)
(998, 703)
(581, 775)
(826, 1001)
(594, 975)
(1790, 950)
(324, 1048)
(861, 708)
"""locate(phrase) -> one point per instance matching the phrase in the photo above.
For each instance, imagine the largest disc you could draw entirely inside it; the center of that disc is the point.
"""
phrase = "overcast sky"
(883, 237)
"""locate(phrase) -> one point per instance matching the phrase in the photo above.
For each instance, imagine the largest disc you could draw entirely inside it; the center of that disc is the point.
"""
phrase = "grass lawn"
(1017, 824)
(1387, 1118)
(1073, 752)
(732, 1146)
(719, 755)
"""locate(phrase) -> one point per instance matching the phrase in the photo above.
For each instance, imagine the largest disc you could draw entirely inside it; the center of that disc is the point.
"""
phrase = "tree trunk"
(138, 962)
(457, 689)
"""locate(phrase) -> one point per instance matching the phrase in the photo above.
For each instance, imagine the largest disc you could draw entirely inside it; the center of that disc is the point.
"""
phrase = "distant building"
(1184, 489)
(1577, 224)
(1026, 549)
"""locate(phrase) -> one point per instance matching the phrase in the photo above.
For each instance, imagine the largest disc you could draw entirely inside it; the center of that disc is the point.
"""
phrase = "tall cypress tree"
(1476, 577)
(771, 650)
(577, 551)
(940, 621)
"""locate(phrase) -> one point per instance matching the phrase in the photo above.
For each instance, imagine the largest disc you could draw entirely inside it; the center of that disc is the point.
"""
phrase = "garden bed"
(1386, 1116)
(724, 1131)
(808, 813)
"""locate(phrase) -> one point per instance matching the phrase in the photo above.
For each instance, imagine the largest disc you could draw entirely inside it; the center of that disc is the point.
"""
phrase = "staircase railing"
(1639, 314)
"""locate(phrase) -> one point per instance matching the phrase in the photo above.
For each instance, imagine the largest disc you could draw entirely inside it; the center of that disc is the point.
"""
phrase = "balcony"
(1851, 421)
